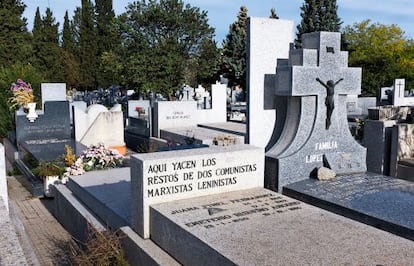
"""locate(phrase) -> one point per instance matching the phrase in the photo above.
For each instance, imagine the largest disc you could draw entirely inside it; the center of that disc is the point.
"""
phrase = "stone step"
(261, 227)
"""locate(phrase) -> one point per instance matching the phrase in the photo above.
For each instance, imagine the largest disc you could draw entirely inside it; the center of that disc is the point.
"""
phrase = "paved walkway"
(43, 239)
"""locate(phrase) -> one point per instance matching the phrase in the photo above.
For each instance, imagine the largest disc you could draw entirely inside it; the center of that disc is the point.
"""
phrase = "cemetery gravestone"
(377, 140)
(44, 139)
(261, 227)
(316, 81)
(400, 95)
(53, 123)
(133, 104)
(53, 92)
(267, 41)
(178, 114)
(167, 176)
(373, 199)
(352, 107)
(91, 127)
(402, 150)
(186, 93)
(202, 97)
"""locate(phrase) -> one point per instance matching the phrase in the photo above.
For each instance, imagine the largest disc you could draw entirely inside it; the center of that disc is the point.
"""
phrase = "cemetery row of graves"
(303, 171)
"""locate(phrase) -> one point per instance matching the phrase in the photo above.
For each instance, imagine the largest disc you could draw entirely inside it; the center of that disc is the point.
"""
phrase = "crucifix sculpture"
(315, 81)
(329, 100)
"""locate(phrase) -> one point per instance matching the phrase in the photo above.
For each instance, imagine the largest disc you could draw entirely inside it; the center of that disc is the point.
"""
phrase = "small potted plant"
(49, 172)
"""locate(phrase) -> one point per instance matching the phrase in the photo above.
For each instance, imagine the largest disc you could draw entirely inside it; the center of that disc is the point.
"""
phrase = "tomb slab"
(261, 227)
(377, 200)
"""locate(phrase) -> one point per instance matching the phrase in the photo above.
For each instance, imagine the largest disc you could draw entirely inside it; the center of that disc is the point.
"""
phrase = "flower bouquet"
(140, 110)
(22, 94)
(96, 157)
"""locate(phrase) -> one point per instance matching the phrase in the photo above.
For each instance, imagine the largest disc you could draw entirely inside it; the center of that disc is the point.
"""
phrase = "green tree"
(75, 25)
(88, 47)
(108, 41)
(46, 47)
(318, 15)
(14, 37)
(106, 35)
(69, 51)
(383, 53)
(67, 36)
(234, 51)
(8, 75)
(69, 61)
(207, 65)
(160, 39)
(37, 24)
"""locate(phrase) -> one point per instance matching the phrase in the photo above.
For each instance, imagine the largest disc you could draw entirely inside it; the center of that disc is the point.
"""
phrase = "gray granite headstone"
(46, 137)
(377, 140)
(316, 81)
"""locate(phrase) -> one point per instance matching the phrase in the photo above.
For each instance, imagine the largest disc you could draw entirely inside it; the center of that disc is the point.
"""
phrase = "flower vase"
(48, 181)
(32, 115)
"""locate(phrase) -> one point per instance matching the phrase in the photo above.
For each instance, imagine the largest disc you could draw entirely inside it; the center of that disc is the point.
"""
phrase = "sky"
(222, 13)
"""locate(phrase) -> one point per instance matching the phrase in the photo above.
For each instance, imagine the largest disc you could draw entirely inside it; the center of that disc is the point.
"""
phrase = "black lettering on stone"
(330, 49)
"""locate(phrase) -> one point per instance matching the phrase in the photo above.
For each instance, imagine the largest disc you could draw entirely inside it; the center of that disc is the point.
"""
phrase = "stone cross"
(316, 81)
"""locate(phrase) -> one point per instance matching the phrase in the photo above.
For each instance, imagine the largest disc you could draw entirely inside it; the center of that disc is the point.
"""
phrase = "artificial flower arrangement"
(96, 157)
(140, 110)
(22, 94)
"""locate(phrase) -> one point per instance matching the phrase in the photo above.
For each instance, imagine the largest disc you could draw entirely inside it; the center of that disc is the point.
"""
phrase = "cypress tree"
(46, 47)
(234, 50)
(107, 39)
(14, 37)
(88, 46)
(37, 24)
(70, 63)
(75, 25)
(104, 26)
(67, 37)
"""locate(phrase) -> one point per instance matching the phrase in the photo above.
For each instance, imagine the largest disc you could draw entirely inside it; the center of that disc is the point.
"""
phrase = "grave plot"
(377, 200)
(43, 140)
(261, 227)
(172, 125)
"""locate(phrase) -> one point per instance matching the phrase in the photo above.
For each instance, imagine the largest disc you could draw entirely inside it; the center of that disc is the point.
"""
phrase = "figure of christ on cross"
(329, 101)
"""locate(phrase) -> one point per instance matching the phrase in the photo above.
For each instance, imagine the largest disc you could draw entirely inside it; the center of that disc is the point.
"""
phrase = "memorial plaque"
(167, 176)
(54, 123)
(374, 199)
(49, 150)
(261, 227)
